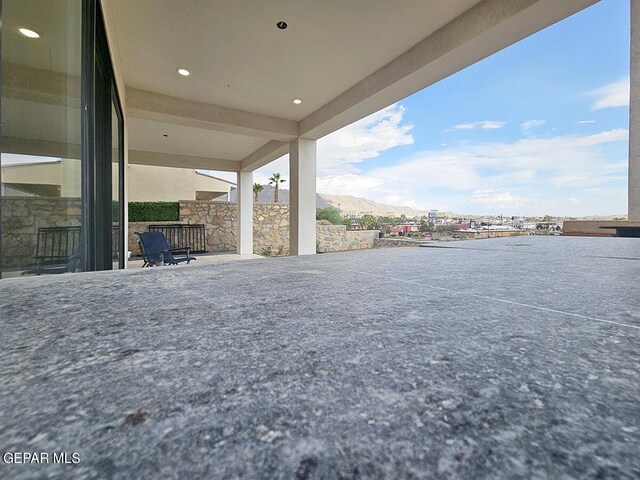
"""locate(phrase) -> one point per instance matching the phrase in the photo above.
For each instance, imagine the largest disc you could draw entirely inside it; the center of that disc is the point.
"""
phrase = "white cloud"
(529, 176)
(532, 123)
(357, 185)
(281, 166)
(493, 198)
(584, 122)
(613, 95)
(341, 151)
(485, 124)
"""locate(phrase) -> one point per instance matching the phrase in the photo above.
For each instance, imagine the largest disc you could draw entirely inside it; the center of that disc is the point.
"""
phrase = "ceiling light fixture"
(184, 72)
(297, 101)
(29, 33)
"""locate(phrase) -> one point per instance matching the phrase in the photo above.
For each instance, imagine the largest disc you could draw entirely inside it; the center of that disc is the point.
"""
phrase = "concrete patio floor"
(501, 358)
(203, 259)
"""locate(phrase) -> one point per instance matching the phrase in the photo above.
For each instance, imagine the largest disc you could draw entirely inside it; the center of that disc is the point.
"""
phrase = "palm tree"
(257, 188)
(275, 180)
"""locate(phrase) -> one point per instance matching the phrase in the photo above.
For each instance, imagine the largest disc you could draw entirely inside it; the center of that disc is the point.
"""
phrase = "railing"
(180, 235)
(58, 250)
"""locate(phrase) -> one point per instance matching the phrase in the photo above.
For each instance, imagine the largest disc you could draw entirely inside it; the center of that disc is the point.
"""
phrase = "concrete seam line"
(486, 297)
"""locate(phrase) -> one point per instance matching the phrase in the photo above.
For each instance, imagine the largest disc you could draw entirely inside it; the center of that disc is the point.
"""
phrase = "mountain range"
(347, 204)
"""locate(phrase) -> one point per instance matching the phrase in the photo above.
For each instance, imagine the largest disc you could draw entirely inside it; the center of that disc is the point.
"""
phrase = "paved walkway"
(502, 358)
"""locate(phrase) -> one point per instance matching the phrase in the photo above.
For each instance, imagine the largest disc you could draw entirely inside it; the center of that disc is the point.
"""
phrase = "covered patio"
(509, 358)
(211, 87)
(528, 369)
(272, 83)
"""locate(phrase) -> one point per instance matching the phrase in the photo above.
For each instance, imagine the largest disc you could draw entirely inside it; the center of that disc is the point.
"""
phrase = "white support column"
(245, 213)
(302, 197)
(634, 115)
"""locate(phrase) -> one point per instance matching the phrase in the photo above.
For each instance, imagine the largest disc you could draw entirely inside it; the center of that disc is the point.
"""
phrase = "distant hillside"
(358, 206)
(347, 203)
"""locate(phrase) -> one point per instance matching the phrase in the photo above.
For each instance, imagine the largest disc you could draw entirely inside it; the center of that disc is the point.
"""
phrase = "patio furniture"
(180, 236)
(156, 251)
(58, 250)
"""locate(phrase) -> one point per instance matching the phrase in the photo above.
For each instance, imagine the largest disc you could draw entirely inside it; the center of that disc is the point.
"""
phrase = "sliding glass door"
(61, 156)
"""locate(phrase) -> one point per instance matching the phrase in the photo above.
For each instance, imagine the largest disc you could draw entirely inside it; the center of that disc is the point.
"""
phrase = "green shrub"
(154, 211)
(330, 214)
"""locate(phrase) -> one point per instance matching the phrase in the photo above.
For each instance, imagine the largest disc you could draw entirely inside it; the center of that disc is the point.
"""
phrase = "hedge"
(154, 211)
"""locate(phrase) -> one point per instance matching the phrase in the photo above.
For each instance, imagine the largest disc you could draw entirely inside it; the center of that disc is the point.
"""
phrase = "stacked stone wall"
(270, 226)
(396, 242)
(22, 216)
(336, 238)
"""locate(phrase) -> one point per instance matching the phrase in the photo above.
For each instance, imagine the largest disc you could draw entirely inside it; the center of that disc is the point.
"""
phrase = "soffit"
(238, 58)
(148, 135)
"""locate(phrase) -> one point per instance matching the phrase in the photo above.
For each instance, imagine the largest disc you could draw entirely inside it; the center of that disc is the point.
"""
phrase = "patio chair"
(58, 250)
(156, 250)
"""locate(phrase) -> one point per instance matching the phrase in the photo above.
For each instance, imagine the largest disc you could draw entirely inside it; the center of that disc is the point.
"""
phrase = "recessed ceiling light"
(28, 33)
(297, 101)
(184, 72)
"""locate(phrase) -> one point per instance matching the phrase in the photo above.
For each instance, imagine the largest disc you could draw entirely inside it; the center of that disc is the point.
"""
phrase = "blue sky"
(538, 128)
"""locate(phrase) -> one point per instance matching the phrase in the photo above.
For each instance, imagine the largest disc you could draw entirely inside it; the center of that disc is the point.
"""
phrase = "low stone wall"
(21, 218)
(591, 228)
(336, 238)
(270, 229)
(270, 226)
(397, 242)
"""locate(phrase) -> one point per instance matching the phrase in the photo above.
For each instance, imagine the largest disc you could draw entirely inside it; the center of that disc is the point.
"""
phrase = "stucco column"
(634, 115)
(302, 197)
(245, 213)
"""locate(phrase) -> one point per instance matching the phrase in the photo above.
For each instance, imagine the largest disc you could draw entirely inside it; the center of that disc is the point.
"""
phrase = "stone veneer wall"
(21, 218)
(270, 229)
(396, 242)
(336, 238)
(270, 225)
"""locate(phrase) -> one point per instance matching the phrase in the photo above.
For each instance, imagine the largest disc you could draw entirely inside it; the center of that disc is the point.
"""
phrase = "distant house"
(405, 228)
(59, 178)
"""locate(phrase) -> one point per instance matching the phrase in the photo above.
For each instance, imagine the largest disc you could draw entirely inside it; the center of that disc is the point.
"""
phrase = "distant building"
(59, 178)
(405, 228)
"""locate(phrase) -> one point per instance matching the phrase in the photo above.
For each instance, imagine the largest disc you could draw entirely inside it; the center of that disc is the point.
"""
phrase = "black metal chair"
(58, 250)
(156, 250)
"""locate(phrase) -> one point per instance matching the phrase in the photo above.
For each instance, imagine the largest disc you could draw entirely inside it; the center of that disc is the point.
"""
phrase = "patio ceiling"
(239, 59)
(344, 60)
(235, 111)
